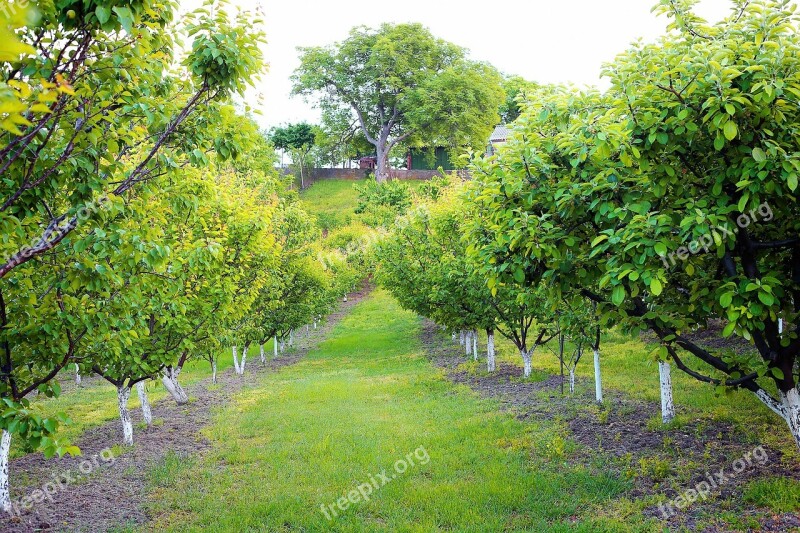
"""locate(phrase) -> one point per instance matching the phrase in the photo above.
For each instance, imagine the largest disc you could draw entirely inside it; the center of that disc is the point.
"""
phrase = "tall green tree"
(403, 85)
(299, 139)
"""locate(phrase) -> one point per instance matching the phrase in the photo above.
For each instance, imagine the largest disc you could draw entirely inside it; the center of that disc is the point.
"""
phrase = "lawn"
(364, 403)
(332, 201)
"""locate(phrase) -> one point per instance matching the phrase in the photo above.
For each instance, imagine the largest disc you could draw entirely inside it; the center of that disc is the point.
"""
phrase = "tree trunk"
(77, 375)
(291, 338)
(275, 347)
(598, 380)
(244, 358)
(170, 381)
(147, 413)
(475, 345)
(667, 406)
(461, 339)
(235, 351)
(572, 380)
(490, 350)
(382, 167)
(214, 371)
(123, 394)
(467, 343)
(5, 493)
(263, 355)
(791, 402)
(527, 359)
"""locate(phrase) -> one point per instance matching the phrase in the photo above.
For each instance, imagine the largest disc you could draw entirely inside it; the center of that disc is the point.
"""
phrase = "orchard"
(575, 324)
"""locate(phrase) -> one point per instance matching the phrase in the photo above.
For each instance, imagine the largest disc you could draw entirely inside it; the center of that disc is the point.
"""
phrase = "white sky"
(547, 41)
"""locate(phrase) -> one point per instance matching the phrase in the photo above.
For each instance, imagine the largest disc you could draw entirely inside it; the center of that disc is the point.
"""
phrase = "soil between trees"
(114, 493)
(618, 434)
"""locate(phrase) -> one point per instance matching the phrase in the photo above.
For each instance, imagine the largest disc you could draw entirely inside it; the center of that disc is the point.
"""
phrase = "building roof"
(500, 133)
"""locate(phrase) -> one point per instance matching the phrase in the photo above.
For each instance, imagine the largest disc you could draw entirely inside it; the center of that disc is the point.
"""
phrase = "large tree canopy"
(671, 200)
(403, 85)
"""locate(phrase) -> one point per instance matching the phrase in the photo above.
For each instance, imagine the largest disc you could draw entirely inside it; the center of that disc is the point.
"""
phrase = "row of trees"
(660, 205)
(142, 224)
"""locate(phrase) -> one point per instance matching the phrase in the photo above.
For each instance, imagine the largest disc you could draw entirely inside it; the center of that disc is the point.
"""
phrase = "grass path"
(365, 399)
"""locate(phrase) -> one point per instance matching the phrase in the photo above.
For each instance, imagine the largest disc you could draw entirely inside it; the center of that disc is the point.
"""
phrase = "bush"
(392, 194)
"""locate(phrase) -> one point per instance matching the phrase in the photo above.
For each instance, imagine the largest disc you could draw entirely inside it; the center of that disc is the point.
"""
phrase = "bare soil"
(113, 493)
(621, 436)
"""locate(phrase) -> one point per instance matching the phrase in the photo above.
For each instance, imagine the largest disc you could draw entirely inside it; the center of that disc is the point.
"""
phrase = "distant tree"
(401, 84)
(516, 89)
(299, 139)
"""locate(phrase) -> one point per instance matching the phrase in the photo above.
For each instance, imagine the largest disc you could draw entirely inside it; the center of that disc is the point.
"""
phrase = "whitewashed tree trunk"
(291, 338)
(475, 345)
(5, 449)
(275, 347)
(245, 349)
(214, 371)
(667, 405)
(527, 359)
(315, 324)
(170, 381)
(791, 403)
(123, 395)
(467, 343)
(235, 350)
(283, 344)
(77, 375)
(572, 380)
(263, 355)
(147, 413)
(308, 332)
(461, 339)
(490, 363)
(454, 337)
(598, 380)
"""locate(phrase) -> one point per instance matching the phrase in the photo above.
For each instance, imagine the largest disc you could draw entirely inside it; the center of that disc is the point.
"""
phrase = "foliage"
(517, 90)
(90, 119)
(380, 203)
(600, 193)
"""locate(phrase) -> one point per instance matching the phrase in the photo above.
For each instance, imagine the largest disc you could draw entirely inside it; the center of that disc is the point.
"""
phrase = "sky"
(547, 41)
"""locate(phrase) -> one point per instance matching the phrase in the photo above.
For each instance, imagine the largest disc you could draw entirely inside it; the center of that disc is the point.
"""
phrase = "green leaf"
(791, 181)
(726, 299)
(125, 17)
(759, 155)
(730, 130)
(103, 14)
(728, 329)
(618, 295)
(655, 287)
(766, 298)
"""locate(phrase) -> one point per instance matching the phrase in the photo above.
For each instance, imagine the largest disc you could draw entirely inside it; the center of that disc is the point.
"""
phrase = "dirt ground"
(619, 435)
(111, 493)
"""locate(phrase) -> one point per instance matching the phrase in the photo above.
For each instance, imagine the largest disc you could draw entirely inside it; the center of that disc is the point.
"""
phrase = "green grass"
(366, 398)
(332, 201)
